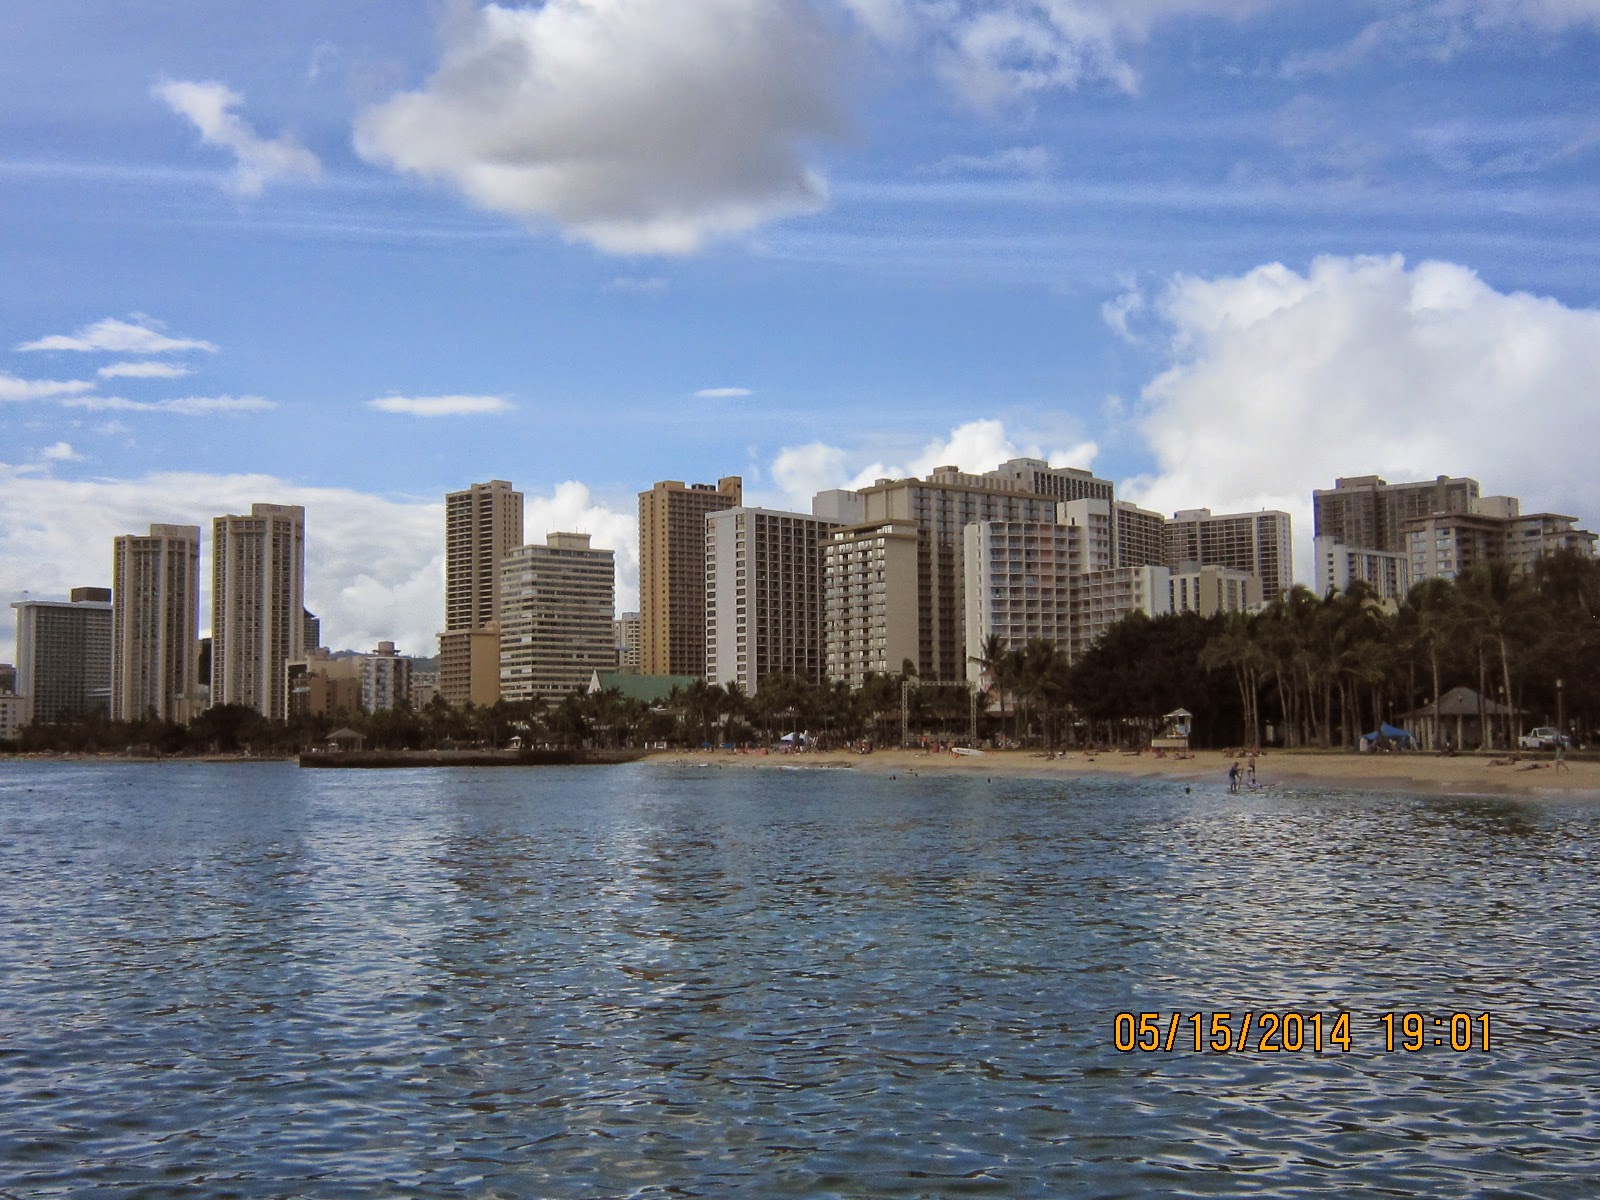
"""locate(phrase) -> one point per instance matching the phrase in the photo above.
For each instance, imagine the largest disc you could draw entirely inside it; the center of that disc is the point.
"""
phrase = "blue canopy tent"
(1398, 737)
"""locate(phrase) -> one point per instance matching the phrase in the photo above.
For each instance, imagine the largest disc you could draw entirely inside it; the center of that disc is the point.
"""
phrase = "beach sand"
(1466, 774)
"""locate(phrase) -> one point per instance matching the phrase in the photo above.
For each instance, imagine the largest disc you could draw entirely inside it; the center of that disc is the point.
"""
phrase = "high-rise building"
(1366, 513)
(870, 600)
(1019, 578)
(557, 603)
(64, 655)
(1102, 598)
(1063, 483)
(1141, 536)
(764, 596)
(155, 624)
(1090, 525)
(672, 572)
(940, 507)
(625, 634)
(257, 605)
(8, 678)
(313, 631)
(483, 524)
(1257, 542)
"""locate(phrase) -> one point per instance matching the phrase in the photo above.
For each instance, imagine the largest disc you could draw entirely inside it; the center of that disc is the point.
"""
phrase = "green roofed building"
(651, 689)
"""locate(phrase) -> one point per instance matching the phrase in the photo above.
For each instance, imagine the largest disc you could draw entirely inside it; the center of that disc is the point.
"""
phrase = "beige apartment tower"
(258, 608)
(1257, 542)
(558, 602)
(483, 524)
(672, 572)
(939, 508)
(155, 624)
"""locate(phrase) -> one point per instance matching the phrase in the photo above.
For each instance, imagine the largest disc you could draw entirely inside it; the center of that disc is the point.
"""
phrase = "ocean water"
(250, 980)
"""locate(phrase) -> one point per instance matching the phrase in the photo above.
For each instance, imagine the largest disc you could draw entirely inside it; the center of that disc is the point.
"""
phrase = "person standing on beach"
(1233, 776)
(1561, 754)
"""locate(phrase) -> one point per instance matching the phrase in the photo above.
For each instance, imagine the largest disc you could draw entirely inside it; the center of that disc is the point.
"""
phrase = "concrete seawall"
(388, 759)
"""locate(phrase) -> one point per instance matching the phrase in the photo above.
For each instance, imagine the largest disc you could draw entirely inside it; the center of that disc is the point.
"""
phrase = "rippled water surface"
(250, 980)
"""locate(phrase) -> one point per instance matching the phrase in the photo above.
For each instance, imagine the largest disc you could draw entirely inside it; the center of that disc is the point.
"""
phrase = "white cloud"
(572, 508)
(996, 52)
(118, 337)
(1119, 312)
(638, 126)
(723, 393)
(1014, 160)
(975, 447)
(258, 161)
(186, 406)
(60, 452)
(12, 388)
(143, 370)
(374, 565)
(1443, 29)
(442, 406)
(1281, 382)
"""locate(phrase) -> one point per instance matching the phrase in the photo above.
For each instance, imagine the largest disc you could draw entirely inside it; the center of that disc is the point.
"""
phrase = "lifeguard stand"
(1174, 733)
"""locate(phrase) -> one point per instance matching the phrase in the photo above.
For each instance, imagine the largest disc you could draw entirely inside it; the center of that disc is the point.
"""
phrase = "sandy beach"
(1530, 776)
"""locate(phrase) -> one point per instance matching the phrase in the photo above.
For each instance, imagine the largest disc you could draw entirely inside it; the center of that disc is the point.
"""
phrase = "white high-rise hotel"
(257, 605)
(155, 624)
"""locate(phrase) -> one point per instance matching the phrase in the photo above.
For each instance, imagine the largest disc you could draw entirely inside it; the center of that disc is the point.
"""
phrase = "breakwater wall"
(379, 759)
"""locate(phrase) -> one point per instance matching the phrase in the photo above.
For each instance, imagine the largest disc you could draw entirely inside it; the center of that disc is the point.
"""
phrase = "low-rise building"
(1339, 566)
(12, 715)
(1210, 590)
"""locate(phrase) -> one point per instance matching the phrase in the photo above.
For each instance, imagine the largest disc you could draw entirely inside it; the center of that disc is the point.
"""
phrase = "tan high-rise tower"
(155, 624)
(483, 524)
(672, 572)
(258, 605)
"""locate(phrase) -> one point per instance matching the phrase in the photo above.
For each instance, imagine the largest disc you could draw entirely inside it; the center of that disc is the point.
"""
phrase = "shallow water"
(249, 980)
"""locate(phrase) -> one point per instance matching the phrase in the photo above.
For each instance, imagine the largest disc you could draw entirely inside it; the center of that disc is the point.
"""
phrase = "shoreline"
(1416, 772)
(1413, 772)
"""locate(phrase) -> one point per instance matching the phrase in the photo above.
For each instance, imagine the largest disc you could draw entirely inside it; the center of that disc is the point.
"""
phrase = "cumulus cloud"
(186, 406)
(1280, 382)
(12, 388)
(119, 337)
(442, 406)
(637, 126)
(977, 446)
(723, 393)
(572, 508)
(60, 452)
(143, 370)
(374, 565)
(258, 161)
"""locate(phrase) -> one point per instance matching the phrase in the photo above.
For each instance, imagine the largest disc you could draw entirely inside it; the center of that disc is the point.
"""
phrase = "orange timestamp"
(1294, 1032)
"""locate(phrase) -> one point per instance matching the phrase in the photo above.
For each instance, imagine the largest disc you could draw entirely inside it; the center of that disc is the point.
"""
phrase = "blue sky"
(353, 255)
